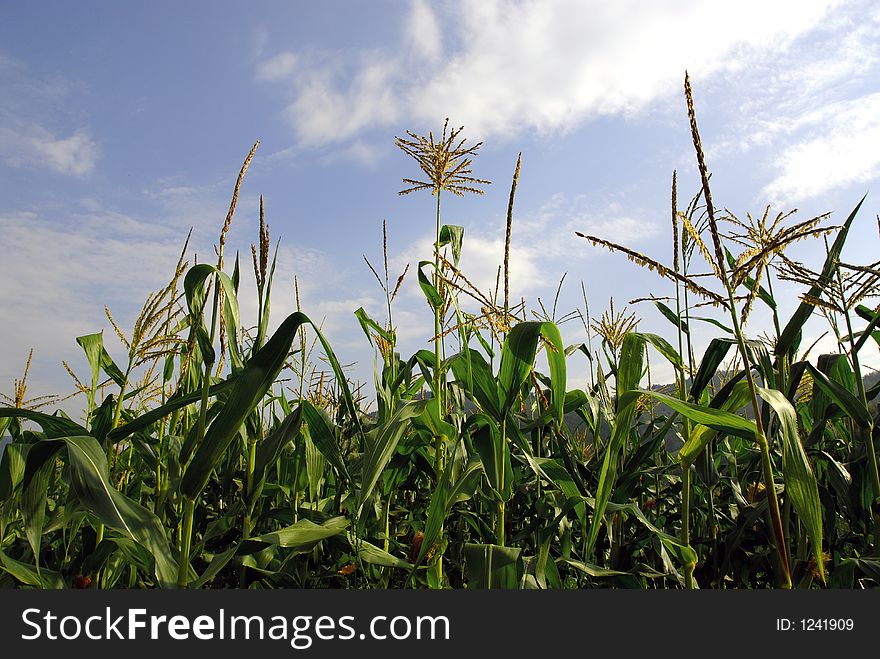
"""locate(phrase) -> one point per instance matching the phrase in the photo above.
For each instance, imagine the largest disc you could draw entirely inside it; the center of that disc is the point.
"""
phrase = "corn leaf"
(800, 481)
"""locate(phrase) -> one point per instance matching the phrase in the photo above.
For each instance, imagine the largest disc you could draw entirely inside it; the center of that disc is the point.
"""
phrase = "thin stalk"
(185, 542)
(686, 523)
(766, 463)
(500, 505)
(439, 449)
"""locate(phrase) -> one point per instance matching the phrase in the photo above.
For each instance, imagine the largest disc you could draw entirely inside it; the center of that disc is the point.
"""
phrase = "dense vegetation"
(220, 456)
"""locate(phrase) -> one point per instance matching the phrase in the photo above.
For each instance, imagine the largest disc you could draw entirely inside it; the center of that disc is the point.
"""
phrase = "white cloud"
(27, 111)
(277, 68)
(841, 149)
(423, 32)
(540, 66)
(34, 146)
(324, 111)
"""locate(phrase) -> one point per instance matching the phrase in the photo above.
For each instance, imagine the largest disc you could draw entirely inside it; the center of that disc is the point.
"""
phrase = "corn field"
(223, 455)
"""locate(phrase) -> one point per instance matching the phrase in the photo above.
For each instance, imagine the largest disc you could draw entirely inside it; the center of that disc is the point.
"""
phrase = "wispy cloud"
(423, 33)
(330, 107)
(277, 68)
(33, 145)
(28, 133)
(840, 149)
(809, 115)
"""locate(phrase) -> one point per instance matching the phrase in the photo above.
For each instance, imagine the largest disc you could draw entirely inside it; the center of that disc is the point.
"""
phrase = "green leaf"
(434, 298)
(315, 464)
(664, 348)
(195, 287)
(672, 317)
(251, 385)
(792, 331)
(473, 373)
(869, 332)
(712, 418)
(453, 235)
(174, 403)
(90, 479)
(712, 358)
(270, 448)
(592, 570)
(629, 374)
(368, 324)
(701, 435)
(517, 359)
(370, 553)
(684, 554)
(800, 481)
(12, 462)
(492, 566)
(714, 322)
(437, 511)
(52, 426)
(846, 401)
(494, 453)
(323, 435)
(34, 496)
(304, 532)
(381, 446)
(218, 562)
(30, 575)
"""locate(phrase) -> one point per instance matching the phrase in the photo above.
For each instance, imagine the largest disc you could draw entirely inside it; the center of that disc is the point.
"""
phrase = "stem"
(251, 462)
(387, 542)
(499, 509)
(185, 542)
(439, 449)
(189, 504)
(686, 522)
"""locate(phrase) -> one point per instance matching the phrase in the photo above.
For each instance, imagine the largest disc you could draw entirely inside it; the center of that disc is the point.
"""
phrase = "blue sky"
(122, 125)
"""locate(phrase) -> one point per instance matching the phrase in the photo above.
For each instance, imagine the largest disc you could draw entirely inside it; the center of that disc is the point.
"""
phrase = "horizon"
(114, 142)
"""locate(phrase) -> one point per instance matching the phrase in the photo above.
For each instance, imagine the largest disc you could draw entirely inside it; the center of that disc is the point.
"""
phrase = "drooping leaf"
(324, 437)
(30, 575)
(712, 418)
(53, 426)
(303, 532)
(174, 403)
(370, 553)
(452, 235)
(664, 348)
(434, 298)
(800, 481)
(712, 358)
(845, 400)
